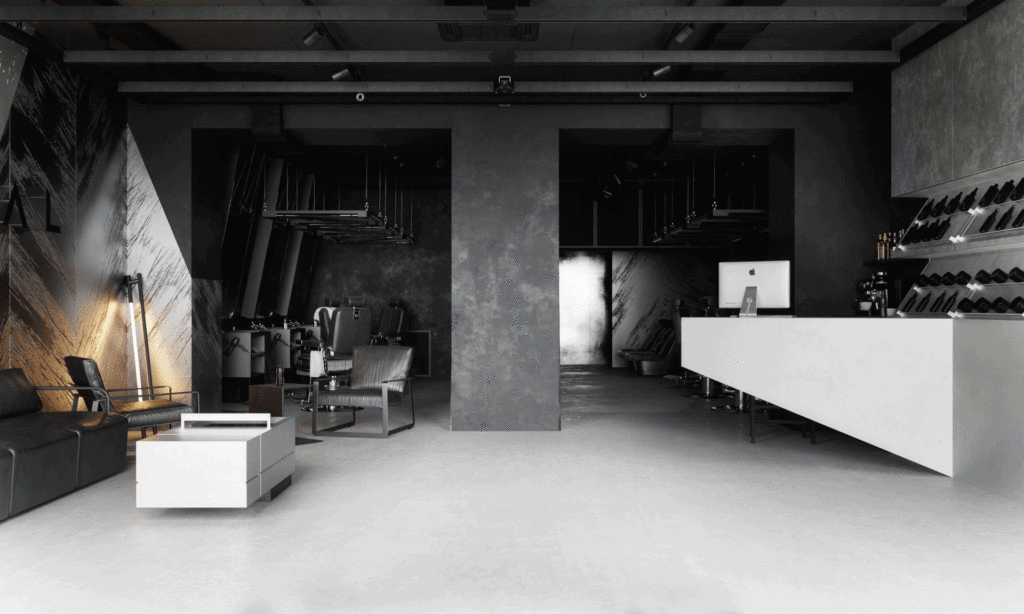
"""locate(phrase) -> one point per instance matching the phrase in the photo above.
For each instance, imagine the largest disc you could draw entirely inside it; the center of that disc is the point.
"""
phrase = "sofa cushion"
(151, 412)
(45, 459)
(102, 441)
(17, 395)
(6, 479)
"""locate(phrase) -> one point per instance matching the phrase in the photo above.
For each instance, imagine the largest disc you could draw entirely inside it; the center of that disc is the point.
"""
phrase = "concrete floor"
(662, 507)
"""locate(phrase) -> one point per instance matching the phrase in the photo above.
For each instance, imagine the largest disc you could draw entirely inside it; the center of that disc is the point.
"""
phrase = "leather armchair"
(149, 412)
(380, 378)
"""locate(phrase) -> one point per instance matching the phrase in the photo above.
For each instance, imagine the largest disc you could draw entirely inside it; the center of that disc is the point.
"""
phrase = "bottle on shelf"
(1004, 193)
(962, 278)
(1017, 223)
(948, 279)
(999, 277)
(965, 205)
(1017, 306)
(1003, 221)
(939, 207)
(926, 210)
(938, 302)
(982, 277)
(990, 194)
(1016, 275)
(1018, 193)
(983, 305)
(952, 301)
(953, 204)
(912, 300)
(988, 223)
(924, 302)
(1000, 305)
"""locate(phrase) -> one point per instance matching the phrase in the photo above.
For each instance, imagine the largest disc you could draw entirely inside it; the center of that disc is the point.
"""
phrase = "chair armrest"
(100, 392)
(401, 379)
(143, 388)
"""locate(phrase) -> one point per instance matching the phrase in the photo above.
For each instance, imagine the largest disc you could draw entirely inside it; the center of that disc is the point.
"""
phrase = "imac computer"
(750, 285)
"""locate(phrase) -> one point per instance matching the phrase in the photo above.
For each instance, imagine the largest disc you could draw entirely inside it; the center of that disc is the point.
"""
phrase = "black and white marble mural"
(153, 251)
(646, 286)
(62, 147)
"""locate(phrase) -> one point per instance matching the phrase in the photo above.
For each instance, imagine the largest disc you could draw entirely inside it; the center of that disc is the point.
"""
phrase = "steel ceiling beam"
(478, 57)
(525, 14)
(485, 87)
(707, 57)
(276, 57)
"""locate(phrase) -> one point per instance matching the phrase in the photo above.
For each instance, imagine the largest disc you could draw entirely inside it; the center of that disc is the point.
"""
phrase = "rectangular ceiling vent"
(501, 26)
(471, 32)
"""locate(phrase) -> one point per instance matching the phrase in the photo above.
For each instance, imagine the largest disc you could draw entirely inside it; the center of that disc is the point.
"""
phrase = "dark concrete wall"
(505, 184)
(418, 274)
(956, 108)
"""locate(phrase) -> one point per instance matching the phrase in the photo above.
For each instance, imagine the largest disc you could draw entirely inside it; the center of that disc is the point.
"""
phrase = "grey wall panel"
(504, 273)
(956, 108)
(206, 342)
(154, 251)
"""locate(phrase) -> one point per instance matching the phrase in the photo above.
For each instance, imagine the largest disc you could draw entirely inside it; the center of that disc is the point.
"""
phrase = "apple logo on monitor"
(751, 271)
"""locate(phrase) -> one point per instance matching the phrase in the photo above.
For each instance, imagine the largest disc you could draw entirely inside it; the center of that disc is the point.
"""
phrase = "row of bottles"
(945, 304)
(887, 243)
(997, 276)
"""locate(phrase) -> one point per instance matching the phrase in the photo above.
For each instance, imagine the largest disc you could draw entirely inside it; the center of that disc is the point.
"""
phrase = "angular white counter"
(946, 394)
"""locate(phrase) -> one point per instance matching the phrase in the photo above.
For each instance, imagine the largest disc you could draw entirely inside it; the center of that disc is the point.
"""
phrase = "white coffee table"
(215, 460)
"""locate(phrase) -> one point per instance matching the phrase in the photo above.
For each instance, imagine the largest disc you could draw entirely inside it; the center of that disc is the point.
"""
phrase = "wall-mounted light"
(342, 75)
(660, 72)
(311, 39)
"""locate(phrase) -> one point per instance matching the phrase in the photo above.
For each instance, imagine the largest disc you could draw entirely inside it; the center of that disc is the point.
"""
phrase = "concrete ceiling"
(563, 33)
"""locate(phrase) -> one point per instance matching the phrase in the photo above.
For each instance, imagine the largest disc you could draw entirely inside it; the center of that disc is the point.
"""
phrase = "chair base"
(362, 435)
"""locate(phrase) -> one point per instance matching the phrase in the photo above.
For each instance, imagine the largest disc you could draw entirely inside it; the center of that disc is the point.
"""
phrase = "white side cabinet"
(215, 460)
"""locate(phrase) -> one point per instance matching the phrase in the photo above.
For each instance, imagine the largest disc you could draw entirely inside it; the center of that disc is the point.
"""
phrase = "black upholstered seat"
(148, 412)
(380, 378)
(44, 455)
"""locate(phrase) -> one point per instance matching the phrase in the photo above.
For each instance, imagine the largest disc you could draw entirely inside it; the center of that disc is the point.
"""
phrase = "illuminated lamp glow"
(135, 342)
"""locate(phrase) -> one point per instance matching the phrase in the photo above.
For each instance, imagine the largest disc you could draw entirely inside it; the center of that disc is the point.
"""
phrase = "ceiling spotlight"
(658, 73)
(310, 39)
(683, 33)
(342, 75)
(606, 192)
(616, 179)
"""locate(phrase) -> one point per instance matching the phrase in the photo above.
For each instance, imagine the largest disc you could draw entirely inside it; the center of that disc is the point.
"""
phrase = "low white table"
(216, 460)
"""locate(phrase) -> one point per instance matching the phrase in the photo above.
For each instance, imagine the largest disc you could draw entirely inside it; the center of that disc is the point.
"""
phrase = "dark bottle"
(969, 200)
(999, 276)
(961, 278)
(990, 194)
(1004, 193)
(942, 229)
(939, 207)
(926, 210)
(938, 302)
(952, 301)
(982, 305)
(934, 280)
(923, 281)
(988, 223)
(953, 204)
(982, 277)
(1016, 275)
(908, 239)
(928, 234)
(1017, 223)
(947, 279)
(965, 306)
(1003, 221)
(1000, 305)
(1017, 306)
(912, 300)
(1019, 192)
(924, 302)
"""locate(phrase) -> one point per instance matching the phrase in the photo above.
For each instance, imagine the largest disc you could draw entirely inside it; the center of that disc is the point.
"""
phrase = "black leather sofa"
(44, 455)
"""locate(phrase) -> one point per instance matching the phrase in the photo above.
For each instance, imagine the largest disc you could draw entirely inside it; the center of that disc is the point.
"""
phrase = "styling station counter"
(945, 393)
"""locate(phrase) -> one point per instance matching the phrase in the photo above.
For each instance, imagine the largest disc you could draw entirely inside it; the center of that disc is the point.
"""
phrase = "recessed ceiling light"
(683, 33)
(310, 39)
(658, 73)
(342, 75)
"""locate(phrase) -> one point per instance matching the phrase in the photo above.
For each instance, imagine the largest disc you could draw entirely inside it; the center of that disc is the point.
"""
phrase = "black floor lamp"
(130, 284)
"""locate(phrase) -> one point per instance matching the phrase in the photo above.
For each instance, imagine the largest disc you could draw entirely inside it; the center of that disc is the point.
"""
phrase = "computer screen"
(770, 277)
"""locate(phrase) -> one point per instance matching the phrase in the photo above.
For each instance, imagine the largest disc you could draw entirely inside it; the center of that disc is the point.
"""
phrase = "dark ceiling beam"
(485, 87)
(707, 57)
(479, 57)
(249, 56)
(525, 14)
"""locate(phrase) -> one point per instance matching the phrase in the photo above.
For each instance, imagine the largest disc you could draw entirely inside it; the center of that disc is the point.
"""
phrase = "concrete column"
(263, 230)
(504, 272)
(291, 256)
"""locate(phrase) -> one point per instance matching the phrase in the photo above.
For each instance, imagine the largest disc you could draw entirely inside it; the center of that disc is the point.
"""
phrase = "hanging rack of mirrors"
(315, 203)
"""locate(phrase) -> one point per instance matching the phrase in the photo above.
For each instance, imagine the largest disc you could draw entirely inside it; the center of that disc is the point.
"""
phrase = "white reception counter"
(946, 394)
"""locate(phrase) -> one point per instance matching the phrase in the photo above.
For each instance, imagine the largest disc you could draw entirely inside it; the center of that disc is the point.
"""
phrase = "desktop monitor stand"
(749, 305)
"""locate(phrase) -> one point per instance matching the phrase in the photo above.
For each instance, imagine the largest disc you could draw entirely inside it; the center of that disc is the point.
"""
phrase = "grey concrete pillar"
(263, 230)
(291, 256)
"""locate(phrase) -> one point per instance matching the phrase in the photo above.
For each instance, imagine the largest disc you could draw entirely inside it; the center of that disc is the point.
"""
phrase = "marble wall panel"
(504, 273)
(42, 264)
(100, 318)
(153, 251)
(206, 342)
(645, 288)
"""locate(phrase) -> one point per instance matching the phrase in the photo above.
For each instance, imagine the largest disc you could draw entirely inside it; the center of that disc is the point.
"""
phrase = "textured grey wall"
(418, 274)
(956, 108)
(504, 273)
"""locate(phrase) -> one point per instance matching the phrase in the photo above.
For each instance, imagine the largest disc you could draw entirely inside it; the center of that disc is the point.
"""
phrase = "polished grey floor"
(660, 506)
